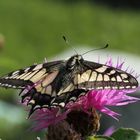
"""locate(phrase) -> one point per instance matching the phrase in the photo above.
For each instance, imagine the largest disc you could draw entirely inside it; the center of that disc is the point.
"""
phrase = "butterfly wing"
(36, 83)
(98, 76)
(22, 78)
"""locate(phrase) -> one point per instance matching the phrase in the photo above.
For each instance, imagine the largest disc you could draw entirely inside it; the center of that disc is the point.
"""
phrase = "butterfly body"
(59, 82)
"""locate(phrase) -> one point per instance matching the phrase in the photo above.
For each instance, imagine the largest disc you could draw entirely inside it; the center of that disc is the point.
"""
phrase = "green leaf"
(126, 134)
(99, 138)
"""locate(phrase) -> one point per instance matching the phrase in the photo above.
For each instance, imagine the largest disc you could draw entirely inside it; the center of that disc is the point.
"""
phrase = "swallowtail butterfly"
(59, 82)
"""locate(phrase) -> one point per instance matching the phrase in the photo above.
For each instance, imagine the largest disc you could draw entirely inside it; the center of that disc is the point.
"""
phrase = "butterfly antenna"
(106, 46)
(67, 42)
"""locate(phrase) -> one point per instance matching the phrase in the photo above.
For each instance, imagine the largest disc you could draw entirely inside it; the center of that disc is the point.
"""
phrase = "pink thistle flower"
(45, 117)
(98, 99)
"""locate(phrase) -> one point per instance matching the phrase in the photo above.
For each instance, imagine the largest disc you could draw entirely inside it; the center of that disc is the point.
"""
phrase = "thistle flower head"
(100, 100)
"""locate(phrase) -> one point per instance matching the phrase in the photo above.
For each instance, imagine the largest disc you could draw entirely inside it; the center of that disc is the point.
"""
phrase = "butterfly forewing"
(28, 76)
(98, 76)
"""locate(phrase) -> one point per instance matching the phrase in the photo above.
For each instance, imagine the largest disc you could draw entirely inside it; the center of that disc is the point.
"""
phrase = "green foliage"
(126, 134)
(120, 134)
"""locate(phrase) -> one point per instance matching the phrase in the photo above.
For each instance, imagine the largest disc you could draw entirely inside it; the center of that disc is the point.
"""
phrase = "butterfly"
(57, 83)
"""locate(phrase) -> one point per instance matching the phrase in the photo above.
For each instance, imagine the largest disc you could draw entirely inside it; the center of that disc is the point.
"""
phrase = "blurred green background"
(32, 29)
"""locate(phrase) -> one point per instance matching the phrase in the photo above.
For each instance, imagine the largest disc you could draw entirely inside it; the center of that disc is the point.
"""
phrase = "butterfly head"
(74, 61)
